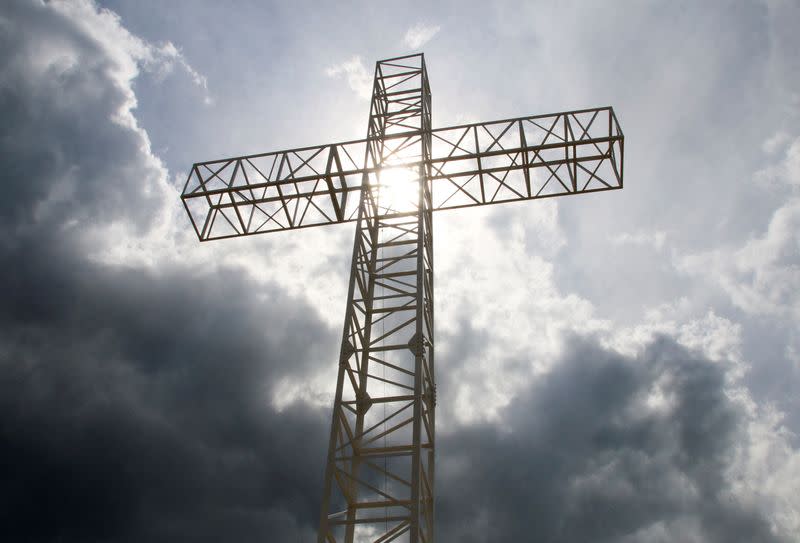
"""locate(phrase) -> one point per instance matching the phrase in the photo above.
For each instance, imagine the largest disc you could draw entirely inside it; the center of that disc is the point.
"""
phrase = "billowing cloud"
(787, 170)
(137, 406)
(136, 401)
(608, 448)
(761, 276)
(420, 34)
(775, 142)
(650, 239)
(359, 79)
(501, 317)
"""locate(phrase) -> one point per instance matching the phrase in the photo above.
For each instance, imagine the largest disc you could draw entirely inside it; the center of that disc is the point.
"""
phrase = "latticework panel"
(477, 164)
(284, 190)
(525, 158)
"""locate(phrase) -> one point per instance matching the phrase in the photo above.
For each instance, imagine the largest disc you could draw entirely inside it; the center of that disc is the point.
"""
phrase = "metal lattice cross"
(379, 478)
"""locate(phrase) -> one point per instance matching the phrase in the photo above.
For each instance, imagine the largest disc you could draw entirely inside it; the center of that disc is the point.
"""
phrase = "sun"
(398, 189)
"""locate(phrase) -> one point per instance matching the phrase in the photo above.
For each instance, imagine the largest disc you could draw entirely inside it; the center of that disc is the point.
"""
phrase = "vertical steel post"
(379, 475)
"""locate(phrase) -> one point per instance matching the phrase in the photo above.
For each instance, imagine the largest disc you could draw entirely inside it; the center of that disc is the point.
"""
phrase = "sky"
(616, 367)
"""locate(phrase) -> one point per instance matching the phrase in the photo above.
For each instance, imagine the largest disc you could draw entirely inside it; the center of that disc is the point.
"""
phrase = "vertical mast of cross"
(380, 467)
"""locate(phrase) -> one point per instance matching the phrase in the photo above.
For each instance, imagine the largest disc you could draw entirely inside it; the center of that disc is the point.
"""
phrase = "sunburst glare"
(398, 189)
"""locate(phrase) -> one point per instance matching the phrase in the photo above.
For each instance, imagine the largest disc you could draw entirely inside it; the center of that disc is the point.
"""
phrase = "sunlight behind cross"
(398, 189)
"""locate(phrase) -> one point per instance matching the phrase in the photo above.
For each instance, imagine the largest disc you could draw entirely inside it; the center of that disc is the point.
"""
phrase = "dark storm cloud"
(134, 403)
(140, 412)
(580, 456)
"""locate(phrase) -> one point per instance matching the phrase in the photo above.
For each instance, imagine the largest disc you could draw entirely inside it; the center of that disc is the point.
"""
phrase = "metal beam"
(379, 472)
(525, 158)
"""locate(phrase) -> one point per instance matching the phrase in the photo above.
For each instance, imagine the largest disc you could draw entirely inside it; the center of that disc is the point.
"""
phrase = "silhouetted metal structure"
(379, 479)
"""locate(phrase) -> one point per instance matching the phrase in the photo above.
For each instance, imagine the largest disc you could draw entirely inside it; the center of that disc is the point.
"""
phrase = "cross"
(379, 477)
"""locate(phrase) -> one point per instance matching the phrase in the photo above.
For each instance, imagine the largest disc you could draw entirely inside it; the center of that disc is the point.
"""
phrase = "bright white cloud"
(762, 275)
(356, 73)
(420, 34)
(775, 142)
(129, 52)
(500, 315)
(651, 239)
(717, 338)
(118, 56)
(168, 238)
(787, 170)
(792, 163)
(163, 59)
(766, 467)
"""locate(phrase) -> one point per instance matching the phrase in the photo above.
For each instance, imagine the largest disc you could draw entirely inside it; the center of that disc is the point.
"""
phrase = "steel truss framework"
(379, 478)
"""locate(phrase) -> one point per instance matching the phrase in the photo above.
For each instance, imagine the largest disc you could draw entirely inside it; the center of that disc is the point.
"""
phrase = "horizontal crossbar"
(525, 158)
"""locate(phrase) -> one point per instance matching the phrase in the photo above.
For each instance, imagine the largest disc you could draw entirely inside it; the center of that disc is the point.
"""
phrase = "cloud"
(136, 400)
(717, 338)
(501, 317)
(607, 447)
(420, 34)
(650, 239)
(136, 407)
(775, 142)
(163, 58)
(357, 75)
(105, 29)
(82, 57)
(787, 170)
(760, 276)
